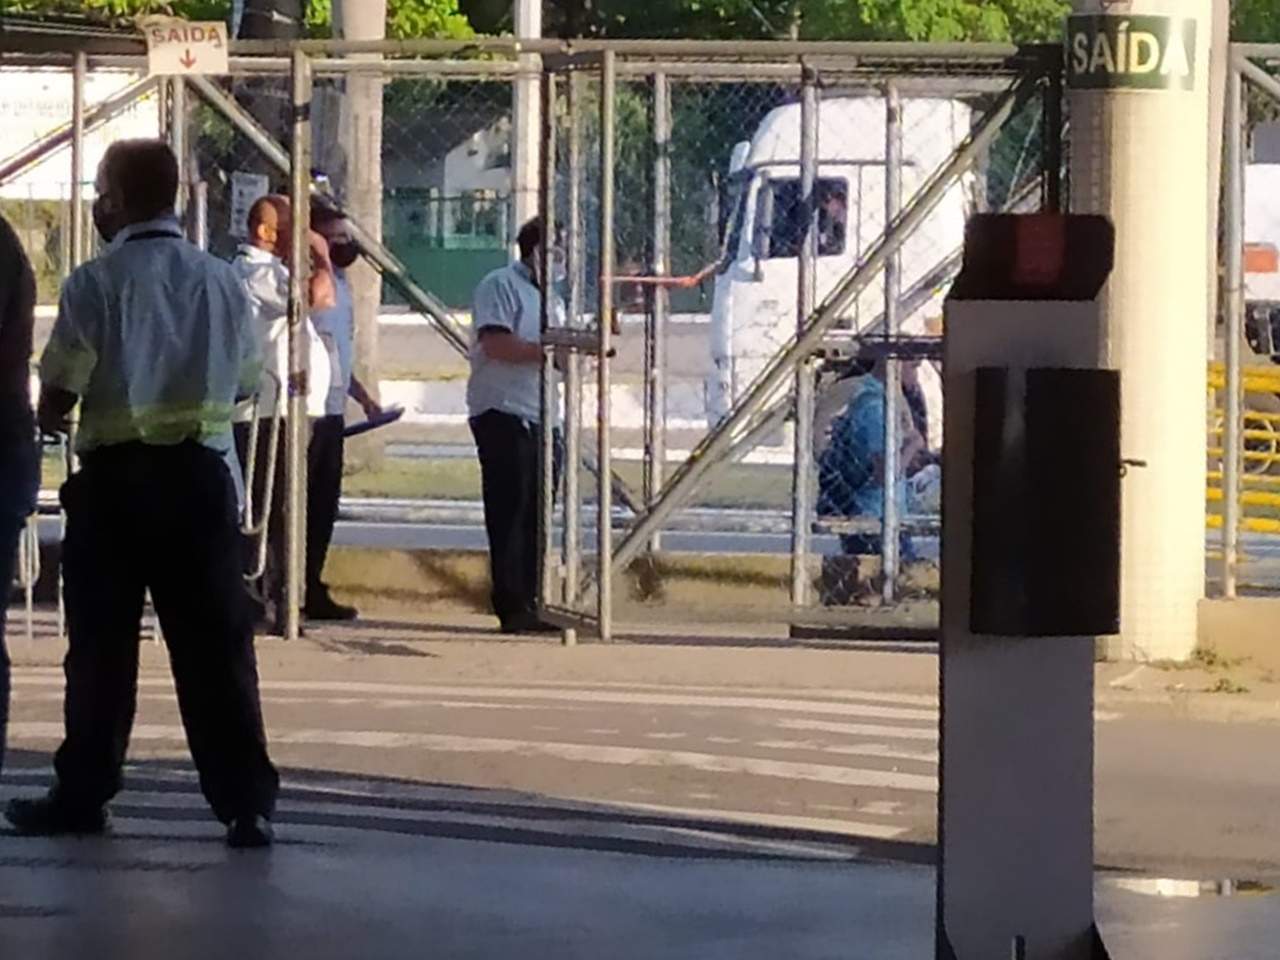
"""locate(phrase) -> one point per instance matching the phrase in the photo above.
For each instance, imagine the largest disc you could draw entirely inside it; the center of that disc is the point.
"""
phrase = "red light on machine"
(1040, 246)
(1261, 258)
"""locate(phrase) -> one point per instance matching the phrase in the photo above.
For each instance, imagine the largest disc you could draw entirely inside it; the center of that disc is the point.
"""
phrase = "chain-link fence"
(719, 221)
(714, 201)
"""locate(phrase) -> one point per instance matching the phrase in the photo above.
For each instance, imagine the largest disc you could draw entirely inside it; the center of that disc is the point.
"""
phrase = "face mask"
(344, 254)
(105, 219)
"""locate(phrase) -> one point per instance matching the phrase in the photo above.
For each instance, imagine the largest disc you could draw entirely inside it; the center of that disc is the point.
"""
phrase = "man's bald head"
(270, 224)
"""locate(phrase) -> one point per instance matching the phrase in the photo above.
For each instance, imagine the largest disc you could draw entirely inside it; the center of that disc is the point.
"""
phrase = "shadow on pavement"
(159, 791)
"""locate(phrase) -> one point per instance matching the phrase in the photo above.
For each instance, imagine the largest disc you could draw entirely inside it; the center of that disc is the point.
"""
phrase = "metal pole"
(1053, 146)
(527, 17)
(604, 321)
(572, 549)
(299, 277)
(77, 159)
(713, 448)
(890, 559)
(178, 134)
(806, 297)
(200, 215)
(1258, 77)
(655, 355)
(1234, 269)
(18, 164)
(78, 247)
(546, 457)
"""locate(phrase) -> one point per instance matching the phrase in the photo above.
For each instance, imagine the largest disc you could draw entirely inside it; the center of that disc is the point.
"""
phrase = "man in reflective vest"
(154, 340)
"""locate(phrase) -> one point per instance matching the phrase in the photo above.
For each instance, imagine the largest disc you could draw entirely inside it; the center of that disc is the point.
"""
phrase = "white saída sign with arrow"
(1110, 52)
(180, 48)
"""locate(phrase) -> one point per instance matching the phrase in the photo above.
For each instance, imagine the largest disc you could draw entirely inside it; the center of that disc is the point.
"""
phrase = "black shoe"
(276, 628)
(528, 623)
(49, 816)
(324, 607)
(249, 832)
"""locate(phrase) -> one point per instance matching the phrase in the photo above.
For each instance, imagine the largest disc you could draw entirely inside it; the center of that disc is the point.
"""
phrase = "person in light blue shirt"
(851, 467)
(504, 401)
(154, 341)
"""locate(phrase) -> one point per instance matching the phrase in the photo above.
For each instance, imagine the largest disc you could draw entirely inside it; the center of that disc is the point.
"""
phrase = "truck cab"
(754, 304)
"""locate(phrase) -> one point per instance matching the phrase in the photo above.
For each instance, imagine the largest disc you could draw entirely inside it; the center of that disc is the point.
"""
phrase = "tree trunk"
(360, 139)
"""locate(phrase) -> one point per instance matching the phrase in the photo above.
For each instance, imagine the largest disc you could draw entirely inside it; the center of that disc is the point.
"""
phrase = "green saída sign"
(1131, 53)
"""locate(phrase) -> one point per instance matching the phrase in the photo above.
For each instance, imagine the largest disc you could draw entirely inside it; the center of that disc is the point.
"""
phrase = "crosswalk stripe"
(581, 695)
(573, 752)
(862, 729)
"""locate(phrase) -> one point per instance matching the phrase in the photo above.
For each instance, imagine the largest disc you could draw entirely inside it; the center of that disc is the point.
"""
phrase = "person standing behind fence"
(336, 327)
(505, 406)
(263, 267)
(153, 339)
(19, 456)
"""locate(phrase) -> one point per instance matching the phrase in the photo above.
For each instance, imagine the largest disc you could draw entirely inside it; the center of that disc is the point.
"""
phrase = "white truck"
(754, 304)
(1262, 256)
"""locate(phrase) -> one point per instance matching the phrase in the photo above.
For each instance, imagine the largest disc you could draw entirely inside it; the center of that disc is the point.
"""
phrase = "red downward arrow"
(187, 60)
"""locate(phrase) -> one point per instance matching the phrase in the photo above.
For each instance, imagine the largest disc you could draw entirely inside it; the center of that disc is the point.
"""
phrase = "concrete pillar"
(526, 120)
(1139, 81)
(360, 134)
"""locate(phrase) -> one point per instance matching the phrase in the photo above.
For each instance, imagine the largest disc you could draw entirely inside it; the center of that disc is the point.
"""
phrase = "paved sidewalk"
(167, 888)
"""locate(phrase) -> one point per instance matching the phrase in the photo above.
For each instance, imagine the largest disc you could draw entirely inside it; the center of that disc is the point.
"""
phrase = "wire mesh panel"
(715, 214)
(739, 215)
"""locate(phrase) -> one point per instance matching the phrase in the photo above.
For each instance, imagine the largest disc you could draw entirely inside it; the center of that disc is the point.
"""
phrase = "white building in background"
(34, 103)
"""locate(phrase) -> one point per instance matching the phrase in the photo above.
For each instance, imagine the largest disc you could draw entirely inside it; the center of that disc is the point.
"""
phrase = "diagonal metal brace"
(19, 163)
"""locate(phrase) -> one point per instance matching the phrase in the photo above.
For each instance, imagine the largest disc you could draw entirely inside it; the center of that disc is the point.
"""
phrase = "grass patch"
(742, 485)
(1226, 685)
(761, 486)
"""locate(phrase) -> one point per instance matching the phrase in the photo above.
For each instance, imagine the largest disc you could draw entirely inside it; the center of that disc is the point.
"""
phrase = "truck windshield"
(780, 217)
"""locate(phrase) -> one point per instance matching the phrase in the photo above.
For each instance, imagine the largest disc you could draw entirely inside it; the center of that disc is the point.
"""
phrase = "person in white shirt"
(336, 327)
(262, 265)
(153, 340)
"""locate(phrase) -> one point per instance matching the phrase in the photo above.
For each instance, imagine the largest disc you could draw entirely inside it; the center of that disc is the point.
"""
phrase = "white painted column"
(526, 119)
(1140, 148)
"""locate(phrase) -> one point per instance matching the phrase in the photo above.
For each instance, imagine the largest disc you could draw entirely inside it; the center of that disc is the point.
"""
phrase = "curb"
(1207, 707)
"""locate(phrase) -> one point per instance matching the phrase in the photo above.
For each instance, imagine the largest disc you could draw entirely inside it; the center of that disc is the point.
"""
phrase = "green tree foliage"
(938, 20)
(405, 18)
(1256, 21)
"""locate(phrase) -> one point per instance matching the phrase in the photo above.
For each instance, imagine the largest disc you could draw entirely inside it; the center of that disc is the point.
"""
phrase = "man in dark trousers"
(504, 401)
(19, 459)
(336, 328)
(154, 340)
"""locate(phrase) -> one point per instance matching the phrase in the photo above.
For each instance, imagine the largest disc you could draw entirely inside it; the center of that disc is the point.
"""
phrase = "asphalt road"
(830, 752)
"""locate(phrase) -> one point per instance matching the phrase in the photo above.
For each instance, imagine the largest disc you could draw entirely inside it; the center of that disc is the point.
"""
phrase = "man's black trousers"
(509, 448)
(161, 518)
(324, 490)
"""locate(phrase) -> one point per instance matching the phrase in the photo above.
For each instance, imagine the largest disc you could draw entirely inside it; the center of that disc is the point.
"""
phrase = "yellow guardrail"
(1260, 479)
